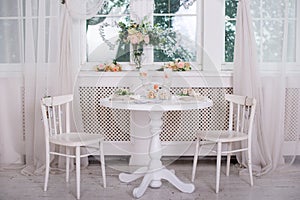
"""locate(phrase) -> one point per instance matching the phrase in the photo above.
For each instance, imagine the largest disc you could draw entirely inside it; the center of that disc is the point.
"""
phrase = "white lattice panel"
(182, 125)
(114, 124)
(291, 114)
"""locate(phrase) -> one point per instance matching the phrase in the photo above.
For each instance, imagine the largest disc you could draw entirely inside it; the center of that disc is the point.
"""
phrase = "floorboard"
(281, 184)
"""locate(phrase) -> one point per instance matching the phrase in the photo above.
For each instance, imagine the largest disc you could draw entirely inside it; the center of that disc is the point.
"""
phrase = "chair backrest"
(241, 113)
(53, 110)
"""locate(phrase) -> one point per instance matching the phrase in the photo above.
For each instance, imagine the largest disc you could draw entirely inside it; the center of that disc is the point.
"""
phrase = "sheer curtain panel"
(270, 90)
(29, 36)
(41, 56)
(52, 62)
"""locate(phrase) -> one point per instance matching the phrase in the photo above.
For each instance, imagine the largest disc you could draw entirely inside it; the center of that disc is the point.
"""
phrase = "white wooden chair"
(56, 119)
(241, 116)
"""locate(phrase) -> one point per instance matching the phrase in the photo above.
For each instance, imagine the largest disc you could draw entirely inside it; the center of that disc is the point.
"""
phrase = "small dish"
(186, 98)
(115, 97)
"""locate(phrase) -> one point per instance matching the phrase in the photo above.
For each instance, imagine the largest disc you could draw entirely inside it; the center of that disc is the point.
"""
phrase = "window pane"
(268, 30)
(272, 40)
(180, 30)
(229, 40)
(166, 6)
(291, 50)
(258, 39)
(103, 33)
(174, 7)
(230, 8)
(9, 41)
(9, 8)
(230, 13)
(292, 8)
(114, 7)
(180, 38)
(273, 8)
(254, 8)
(35, 6)
(102, 42)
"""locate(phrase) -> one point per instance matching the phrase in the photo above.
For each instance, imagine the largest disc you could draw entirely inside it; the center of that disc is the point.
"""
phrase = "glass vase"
(137, 55)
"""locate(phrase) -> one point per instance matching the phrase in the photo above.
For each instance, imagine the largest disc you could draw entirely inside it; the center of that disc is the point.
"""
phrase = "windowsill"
(270, 68)
(192, 73)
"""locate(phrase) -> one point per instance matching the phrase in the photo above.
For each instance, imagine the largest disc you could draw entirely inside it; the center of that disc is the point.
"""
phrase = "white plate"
(140, 101)
(143, 101)
(186, 98)
(192, 98)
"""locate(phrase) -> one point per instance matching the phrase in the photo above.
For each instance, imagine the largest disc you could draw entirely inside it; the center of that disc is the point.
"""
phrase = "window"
(15, 20)
(269, 28)
(230, 22)
(179, 20)
(102, 32)
(11, 22)
(268, 18)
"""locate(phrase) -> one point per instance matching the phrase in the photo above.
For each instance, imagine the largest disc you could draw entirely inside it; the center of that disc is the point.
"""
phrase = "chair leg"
(78, 171)
(195, 160)
(228, 159)
(102, 164)
(67, 164)
(219, 150)
(47, 170)
(250, 166)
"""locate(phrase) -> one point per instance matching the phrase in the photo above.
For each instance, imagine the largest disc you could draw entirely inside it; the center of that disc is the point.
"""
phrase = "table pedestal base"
(155, 172)
(153, 179)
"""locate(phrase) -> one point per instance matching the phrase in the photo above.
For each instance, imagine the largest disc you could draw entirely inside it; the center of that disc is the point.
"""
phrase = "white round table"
(155, 171)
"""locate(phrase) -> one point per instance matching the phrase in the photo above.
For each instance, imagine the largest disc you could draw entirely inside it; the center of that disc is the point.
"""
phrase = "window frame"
(88, 65)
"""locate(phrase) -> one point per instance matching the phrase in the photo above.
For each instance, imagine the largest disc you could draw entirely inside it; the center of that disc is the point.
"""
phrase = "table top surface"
(173, 104)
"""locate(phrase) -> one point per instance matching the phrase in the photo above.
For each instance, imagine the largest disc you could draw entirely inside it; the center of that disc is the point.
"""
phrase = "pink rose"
(140, 37)
(133, 39)
(181, 65)
(100, 66)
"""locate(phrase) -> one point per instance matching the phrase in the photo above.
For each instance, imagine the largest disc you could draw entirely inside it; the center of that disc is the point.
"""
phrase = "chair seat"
(75, 139)
(222, 136)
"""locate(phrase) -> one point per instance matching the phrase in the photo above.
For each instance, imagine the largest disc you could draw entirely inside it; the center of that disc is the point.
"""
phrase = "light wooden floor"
(281, 185)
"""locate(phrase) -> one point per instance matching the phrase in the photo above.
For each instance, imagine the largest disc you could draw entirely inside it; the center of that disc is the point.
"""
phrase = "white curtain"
(270, 92)
(51, 65)
(72, 12)
(246, 79)
(40, 72)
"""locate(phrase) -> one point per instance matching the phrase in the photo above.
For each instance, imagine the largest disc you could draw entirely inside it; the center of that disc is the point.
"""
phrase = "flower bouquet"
(112, 67)
(188, 94)
(177, 65)
(121, 94)
(139, 35)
